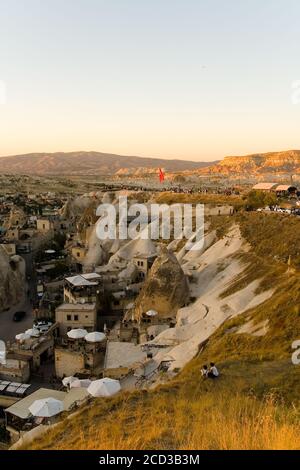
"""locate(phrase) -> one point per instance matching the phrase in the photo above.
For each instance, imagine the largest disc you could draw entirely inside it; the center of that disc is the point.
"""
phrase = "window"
(44, 226)
(69, 317)
(78, 254)
(75, 317)
(142, 263)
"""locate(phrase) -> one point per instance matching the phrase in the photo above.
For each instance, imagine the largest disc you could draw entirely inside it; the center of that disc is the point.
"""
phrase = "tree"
(270, 199)
(179, 179)
(258, 199)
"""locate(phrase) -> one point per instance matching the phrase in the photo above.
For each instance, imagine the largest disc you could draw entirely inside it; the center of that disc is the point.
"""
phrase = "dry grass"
(246, 408)
(205, 424)
(272, 236)
(205, 421)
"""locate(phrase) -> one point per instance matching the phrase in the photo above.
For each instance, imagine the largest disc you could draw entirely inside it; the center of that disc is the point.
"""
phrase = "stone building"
(12, 234)
(70, 316)
(144, 264)
(83, 288)
(15, 370)
(79, 357)
(78, 254)
(35, 351)
(17, 218)
(44, 225)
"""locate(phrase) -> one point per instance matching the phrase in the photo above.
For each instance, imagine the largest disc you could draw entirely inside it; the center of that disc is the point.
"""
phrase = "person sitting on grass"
(204, 371)
(213, 372)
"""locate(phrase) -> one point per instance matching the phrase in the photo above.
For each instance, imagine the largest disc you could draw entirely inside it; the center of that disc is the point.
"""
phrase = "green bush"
(256, 199)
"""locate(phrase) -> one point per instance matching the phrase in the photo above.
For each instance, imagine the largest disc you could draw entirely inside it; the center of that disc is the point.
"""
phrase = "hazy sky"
(190, 79)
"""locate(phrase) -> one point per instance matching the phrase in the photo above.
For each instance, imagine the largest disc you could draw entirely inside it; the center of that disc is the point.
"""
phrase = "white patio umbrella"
(151, 313)
(68, 380)
(95, 337)
(22, 336)
(83, 383)
(104, 387)
(32, 332)
(46, 407)
(77, 333)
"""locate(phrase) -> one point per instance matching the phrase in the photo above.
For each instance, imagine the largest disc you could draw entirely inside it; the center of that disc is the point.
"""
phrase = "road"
(8, 328)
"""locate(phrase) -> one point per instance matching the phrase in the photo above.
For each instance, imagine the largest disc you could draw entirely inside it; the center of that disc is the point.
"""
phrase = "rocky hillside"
(94, 163)
(259, 164)
(166, 288)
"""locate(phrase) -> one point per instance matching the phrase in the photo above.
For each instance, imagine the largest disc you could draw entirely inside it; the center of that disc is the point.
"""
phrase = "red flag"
(161, 175)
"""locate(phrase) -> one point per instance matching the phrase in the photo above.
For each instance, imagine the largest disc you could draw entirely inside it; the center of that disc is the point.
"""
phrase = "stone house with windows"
(70, 316)
(83, 289)
(143, 263)
(73, 357)
(12, 234)
(79, 253)
(44, 225)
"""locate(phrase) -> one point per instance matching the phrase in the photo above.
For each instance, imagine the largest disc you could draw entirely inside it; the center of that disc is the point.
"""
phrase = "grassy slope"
(255, 402)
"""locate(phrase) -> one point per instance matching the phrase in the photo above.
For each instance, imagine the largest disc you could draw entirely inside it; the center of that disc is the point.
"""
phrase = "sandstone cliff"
(261, 163)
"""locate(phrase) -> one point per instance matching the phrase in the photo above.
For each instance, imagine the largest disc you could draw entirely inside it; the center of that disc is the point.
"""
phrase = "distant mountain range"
(286, 162)
(89, 163)
(96, 163)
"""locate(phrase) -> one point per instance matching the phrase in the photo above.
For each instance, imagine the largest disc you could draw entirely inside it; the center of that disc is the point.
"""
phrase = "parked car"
(19, 316)
(42, 326)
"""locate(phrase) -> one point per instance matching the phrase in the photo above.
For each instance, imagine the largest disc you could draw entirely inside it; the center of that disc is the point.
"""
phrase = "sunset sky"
(188, 79)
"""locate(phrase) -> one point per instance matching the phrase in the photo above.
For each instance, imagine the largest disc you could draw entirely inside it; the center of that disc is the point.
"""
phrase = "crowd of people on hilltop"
(180, 188)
